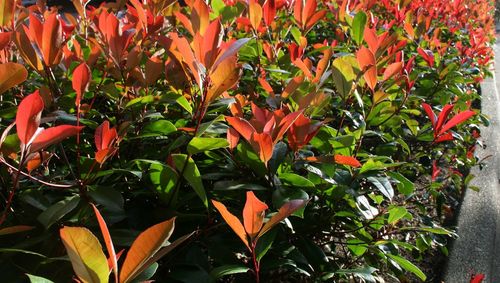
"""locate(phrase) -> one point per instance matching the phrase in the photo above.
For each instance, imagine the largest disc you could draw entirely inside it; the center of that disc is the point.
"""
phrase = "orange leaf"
(153, 70)
(303, 67)
(81, 79)
(242, 126)
(107, 240)
(224, 77)
(392, 70)
(263, 144)
(253, 214)
(11, 74)
(28, 116)
(34, 160)
(25, 48)
(5, 38)
(292, 85)
(232, 221)
(232, 138)
(367, 63)
(187, 56)
(371, 38)
(104, 136)
(144, 247)
(346, 160)
(255, 13)
(323, 64)
(51, 40)
(53, 135)
(200, 17)
(210, 44)
(286, 210)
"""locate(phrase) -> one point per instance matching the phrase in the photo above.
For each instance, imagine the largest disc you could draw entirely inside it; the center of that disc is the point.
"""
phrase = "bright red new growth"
(28, 116)
(105, 138)
(81, 80)
(440, 126)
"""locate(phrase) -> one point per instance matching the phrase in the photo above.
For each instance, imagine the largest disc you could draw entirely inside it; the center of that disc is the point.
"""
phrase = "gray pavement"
(477, 250)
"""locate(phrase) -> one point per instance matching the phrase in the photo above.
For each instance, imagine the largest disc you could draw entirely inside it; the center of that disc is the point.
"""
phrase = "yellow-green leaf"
(86, 255)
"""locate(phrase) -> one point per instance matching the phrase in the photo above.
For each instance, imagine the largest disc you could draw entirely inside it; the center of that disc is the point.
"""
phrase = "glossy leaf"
(6, 12)
(232, 221)
(38, 279)
(367, 63)
(255, 13)
(408, 266)
(358, 26)
(11, 74)
(145, 246)
(108, 241)
(185, 165)
(85, 253)
(81, 80)
(198, 144)
(54, 135)
(253, 214)
(28, 116)
(286, 210)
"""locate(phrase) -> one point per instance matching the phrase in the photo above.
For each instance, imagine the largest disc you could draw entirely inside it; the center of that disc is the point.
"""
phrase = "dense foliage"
(285, 140)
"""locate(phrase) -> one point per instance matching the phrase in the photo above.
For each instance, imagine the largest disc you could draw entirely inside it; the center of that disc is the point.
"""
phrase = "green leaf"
(224, 270)
(198, 144)
(371, 165)
(190, 172)
(146, 274)
(164, 178)
(383, 185)
(396, 213)
(264, 244)
(37, 279)
(365, 273)
(408, 266)
(358, 27)
(58, 210)
(86, 255)
(295, 180)
(403, 185)
(159, 127)
(296, 34)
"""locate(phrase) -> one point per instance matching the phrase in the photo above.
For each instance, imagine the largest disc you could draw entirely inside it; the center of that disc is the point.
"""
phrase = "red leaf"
(81, 79)
(108, 241)
(242, 126)
(253, 214)
(430, 113)
(445, 112)
(457, 119)
(269, 11)
(53, 135)
(232, 221)
(477, 278)
(28, 116)
(427, 55)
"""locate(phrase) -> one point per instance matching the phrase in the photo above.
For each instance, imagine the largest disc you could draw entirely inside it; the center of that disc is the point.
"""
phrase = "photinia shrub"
(342, 132)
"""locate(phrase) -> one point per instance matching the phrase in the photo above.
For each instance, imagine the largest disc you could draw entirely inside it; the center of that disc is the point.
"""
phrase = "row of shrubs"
(259, 141)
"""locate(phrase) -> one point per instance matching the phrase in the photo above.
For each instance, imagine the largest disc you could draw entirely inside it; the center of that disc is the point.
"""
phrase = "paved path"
(478, 247)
